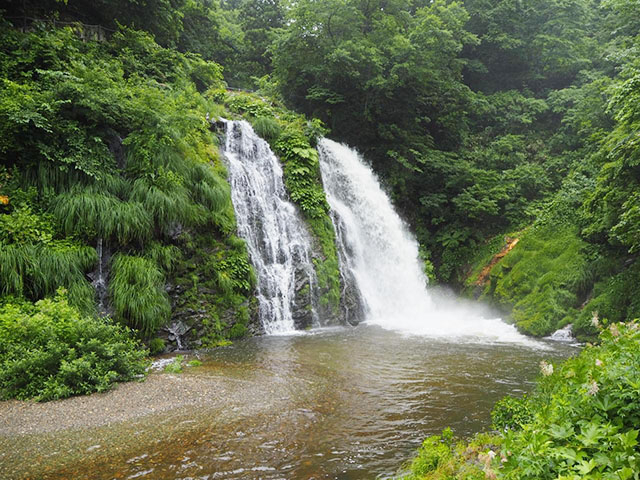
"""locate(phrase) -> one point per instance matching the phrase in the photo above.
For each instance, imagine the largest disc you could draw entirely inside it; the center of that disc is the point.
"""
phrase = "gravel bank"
(128, 401)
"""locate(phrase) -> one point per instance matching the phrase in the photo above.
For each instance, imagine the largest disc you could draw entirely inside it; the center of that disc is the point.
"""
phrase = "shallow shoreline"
(158, 393)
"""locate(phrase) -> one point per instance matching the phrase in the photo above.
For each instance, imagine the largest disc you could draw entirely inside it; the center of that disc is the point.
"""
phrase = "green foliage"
(103, 215)
(442, 457)
(105, 142)
(586, 415)
(215, 277)
(248, 105)
(23, 226)
(541, 279)
(267, 128)
(164, 256)
(36, 271)
(167, 201)
(237, 331)
(511, 413)
(137, 293)
(304, 184)
(616, 298)
(175, 366)
(302, 172)
(292, 138)
(156, 346)
(50, 351)
(581, 422)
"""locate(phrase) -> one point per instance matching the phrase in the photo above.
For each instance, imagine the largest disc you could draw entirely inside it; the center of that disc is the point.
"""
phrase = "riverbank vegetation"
(581, 422)
(49, 350)
(109, 172)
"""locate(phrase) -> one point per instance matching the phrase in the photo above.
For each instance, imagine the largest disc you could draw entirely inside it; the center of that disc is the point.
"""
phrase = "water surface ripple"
(333, 404)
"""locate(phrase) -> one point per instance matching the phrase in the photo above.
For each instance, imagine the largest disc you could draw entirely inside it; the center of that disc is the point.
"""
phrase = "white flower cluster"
(546, 368)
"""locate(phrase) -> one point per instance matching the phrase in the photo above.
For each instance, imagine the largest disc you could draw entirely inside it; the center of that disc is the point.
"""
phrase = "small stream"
(341, 403)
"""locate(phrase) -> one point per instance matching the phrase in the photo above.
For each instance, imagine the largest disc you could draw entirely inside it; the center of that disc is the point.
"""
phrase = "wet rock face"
(100, 277)
(302, 308)
(351, 305)
(177, 331)
(189, 324)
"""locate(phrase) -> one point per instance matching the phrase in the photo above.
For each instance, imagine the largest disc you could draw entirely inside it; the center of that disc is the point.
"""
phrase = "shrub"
(175, 366)
(585, 416)
(441, 457)
(50, 351)
(156, 346)
(239, 330)
(511, 413)
(580, 423)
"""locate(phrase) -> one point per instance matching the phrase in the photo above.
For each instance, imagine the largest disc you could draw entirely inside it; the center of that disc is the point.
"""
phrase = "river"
(338, 403)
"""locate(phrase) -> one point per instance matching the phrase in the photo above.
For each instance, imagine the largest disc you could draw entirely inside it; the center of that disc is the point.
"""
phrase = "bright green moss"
(541, 279)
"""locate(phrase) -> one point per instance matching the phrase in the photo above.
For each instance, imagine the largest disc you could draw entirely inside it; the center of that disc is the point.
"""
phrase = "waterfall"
(279, 244)
(99, 277)
(381, 256)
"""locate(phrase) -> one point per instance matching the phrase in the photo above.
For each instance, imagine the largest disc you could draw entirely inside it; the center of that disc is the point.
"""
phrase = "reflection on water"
(338, 403)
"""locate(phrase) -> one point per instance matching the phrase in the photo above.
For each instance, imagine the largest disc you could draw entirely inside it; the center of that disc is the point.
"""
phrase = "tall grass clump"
(36, 271)
(267, 128)
(55, 266)
(164, 256)
(15, 262)
(137, 293)
(209, 189)
(103, 215)
(168, 202)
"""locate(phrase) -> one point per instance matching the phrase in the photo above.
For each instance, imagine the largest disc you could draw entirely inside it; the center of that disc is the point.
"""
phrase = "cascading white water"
(277, 239)
(382, 256)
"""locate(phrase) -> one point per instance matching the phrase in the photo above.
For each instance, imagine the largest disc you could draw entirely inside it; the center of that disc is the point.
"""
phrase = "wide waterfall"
(277, 239)
(381, 256)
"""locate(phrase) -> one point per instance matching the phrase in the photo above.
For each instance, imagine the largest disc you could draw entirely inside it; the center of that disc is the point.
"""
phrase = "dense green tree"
(162, 18)
(539, 45)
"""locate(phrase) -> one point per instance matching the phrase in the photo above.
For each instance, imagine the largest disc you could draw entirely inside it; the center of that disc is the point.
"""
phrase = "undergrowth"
(108, 144)
(581, 422)
(49, 350)
(541, 279)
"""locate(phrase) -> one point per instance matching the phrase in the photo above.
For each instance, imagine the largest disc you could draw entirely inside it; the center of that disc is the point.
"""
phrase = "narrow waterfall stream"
(277, 238)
